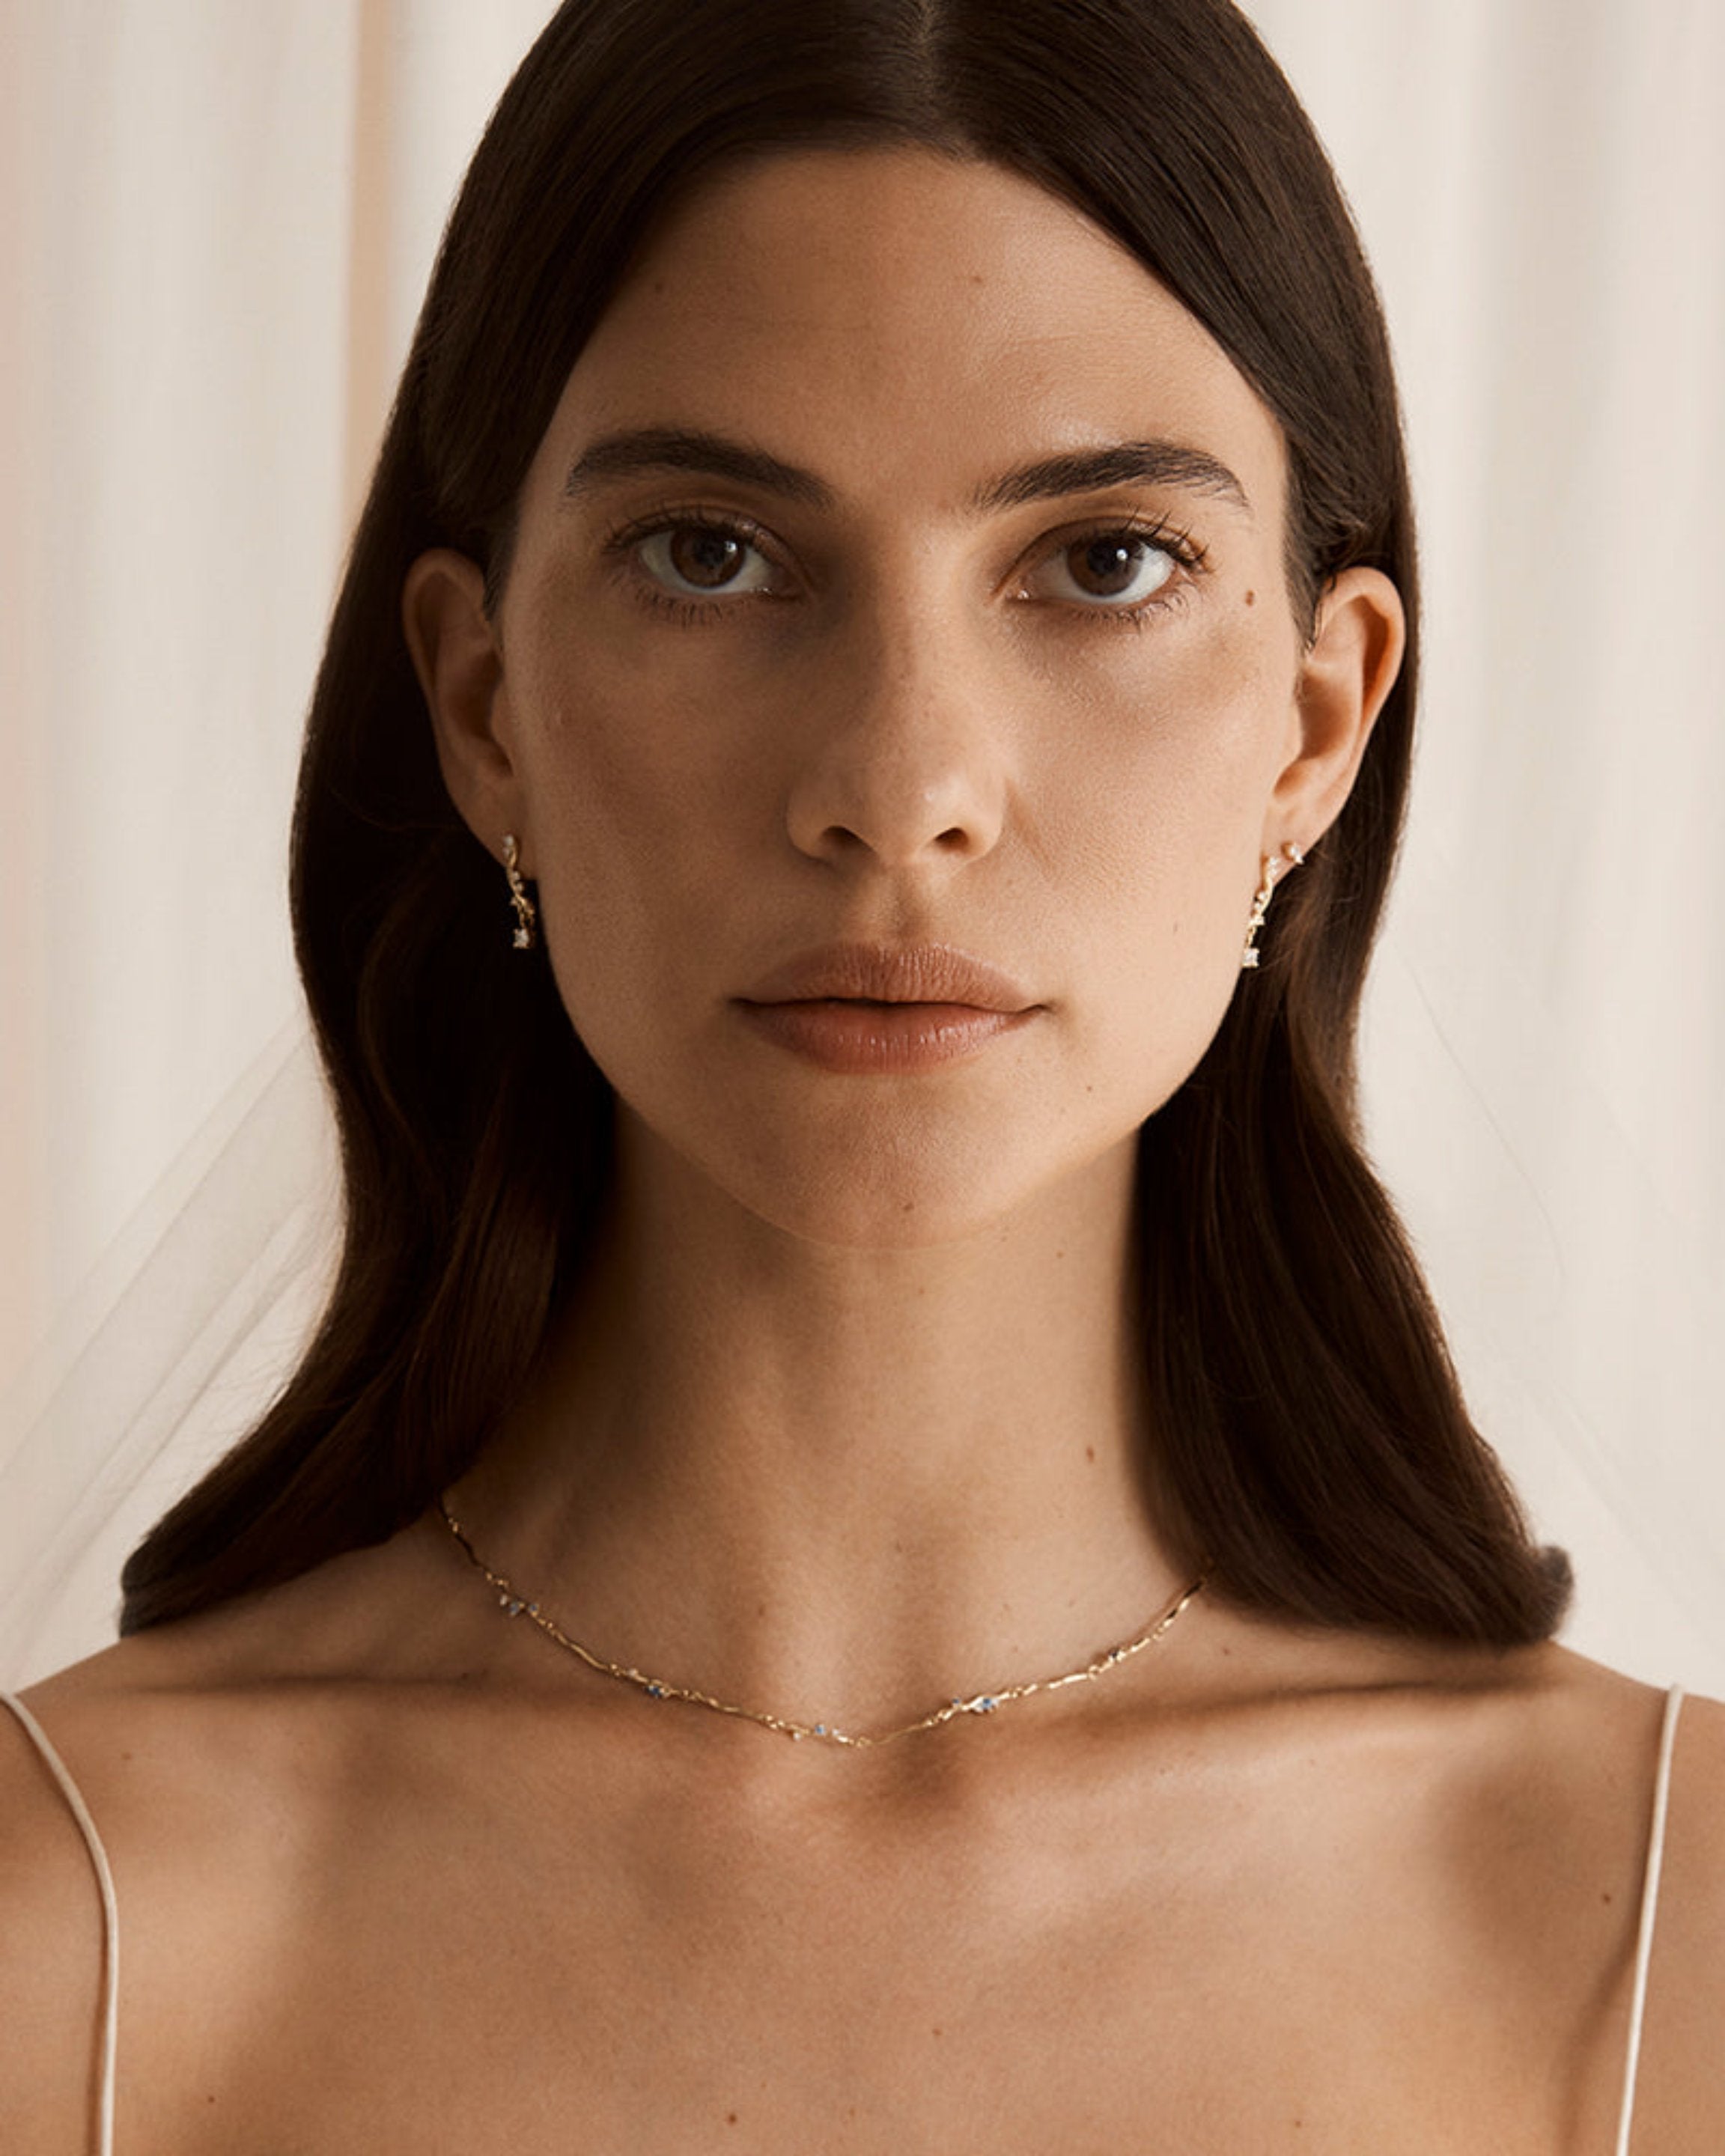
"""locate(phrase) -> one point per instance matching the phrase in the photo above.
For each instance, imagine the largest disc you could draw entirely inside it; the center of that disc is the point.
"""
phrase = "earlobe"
(1345, 677)
(459, 663)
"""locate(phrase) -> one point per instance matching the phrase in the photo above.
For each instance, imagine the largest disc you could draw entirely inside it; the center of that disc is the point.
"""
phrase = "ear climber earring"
(1275, 866)
(527, 917)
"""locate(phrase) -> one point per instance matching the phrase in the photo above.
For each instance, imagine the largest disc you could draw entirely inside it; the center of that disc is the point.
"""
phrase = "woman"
(878, 1547)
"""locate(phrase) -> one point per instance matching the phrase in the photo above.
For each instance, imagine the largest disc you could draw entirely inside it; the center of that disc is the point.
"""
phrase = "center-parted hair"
(1309, 1445)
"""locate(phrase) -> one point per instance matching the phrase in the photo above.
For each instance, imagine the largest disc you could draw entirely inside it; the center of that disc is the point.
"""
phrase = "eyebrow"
(679, 449)
(637, 449)
(1088, 471)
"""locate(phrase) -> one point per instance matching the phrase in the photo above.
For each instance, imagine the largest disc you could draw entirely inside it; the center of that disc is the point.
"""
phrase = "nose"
(905, 766)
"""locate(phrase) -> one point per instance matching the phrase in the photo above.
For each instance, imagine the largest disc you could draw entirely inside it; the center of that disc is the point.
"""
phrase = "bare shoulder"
(1597, 1736)
(1681, 2104)
(1574, 1759)
(1585, 1723)
(77, 1725)
(50, 1958)
(199, 1779)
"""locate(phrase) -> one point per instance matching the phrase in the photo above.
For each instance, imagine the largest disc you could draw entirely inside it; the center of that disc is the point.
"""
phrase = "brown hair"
(1311, 1442)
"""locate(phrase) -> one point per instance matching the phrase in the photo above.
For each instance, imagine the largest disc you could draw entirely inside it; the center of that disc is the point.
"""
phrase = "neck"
(840, 1484)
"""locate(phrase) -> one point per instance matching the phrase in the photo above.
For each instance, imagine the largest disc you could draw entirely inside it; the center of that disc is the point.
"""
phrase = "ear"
(1345, 675)
(459, 659)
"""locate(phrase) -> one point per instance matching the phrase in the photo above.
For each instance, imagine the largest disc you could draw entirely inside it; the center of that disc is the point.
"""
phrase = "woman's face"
(901, 570)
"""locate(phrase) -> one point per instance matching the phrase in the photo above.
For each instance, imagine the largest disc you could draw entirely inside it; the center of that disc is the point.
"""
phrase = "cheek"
(625, 735)
(1170, 764)
(636, 813)
(1168, 783)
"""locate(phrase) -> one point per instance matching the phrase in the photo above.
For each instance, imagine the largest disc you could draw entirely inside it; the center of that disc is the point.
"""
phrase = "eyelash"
(620, 547)
(1187, 554)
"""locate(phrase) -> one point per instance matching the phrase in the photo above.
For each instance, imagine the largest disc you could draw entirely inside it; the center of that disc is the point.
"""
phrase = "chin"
(890, 1181)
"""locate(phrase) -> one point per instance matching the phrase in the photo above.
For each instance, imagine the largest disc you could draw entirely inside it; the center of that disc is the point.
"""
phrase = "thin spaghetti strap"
(111, 1910)
(1649, 1909)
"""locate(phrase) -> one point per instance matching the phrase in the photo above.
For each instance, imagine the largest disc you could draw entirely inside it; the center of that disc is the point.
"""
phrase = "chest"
(642, 1967)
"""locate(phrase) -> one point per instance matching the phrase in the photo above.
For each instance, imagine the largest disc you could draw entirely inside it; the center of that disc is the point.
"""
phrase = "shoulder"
(51, 1945)
(1540, 1773)
(201, 1763)
(1593, 1752)
(1680, 2102)
(101, 1720)
(179, 1737)
(1564, 1780)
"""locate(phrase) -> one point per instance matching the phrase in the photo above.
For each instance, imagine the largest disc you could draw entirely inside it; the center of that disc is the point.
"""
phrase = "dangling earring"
(1275, 865)
(526, 919)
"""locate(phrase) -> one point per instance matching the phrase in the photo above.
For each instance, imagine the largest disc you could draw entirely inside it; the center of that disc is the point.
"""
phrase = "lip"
(892, 974)
(862, 1008)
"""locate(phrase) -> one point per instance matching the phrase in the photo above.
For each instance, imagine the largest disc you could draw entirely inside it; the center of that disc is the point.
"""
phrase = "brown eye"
(1109, 571)
(1104, 566)
(1114, 565)
(689, 558)
(707, 558)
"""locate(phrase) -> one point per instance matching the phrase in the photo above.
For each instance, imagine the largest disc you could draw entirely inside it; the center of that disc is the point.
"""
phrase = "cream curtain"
(215, 222)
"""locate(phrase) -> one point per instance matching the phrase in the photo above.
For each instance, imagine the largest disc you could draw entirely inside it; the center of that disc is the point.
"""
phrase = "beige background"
(215, 222)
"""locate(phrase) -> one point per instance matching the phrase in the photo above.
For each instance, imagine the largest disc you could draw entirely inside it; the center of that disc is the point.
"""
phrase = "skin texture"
(845, 1420)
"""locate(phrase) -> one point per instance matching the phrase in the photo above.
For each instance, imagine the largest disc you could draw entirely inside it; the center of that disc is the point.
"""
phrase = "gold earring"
(526, 918)
(1275, 865)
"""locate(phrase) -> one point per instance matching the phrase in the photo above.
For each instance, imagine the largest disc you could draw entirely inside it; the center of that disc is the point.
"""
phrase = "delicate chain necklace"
(517, 1604)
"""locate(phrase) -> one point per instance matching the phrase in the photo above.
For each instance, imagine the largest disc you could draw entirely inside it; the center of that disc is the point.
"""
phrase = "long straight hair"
(1312, 1445)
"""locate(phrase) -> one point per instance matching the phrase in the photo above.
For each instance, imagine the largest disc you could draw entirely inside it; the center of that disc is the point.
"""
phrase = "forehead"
(898, 317)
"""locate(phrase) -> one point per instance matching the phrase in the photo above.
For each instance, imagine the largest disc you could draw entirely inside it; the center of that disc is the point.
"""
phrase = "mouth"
(881, 976)
(862, 1008)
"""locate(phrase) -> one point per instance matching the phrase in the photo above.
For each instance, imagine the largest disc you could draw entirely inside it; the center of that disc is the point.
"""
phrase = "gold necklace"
(515, 1603)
